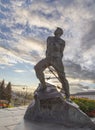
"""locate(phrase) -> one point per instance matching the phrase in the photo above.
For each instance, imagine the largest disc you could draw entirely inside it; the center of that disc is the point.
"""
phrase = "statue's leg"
(58, 65)
(39, 68)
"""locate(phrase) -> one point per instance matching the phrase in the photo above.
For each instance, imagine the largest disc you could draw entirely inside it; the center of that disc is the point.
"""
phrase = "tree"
(2, 90)
(8, 92)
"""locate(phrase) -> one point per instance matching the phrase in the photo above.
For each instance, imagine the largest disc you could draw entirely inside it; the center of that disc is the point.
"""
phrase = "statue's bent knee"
(38, 71)
(36, 67)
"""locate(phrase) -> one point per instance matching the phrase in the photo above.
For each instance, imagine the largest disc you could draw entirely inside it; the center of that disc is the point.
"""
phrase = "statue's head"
(58, 32)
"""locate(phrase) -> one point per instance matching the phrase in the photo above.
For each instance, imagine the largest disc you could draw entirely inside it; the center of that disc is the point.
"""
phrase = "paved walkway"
(12, 119)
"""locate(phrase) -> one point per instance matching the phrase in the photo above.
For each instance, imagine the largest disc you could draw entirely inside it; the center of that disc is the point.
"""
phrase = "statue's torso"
(54, 47)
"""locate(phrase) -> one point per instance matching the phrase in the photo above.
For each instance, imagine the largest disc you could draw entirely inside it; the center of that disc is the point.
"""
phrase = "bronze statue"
(48, 105)
(54, 54)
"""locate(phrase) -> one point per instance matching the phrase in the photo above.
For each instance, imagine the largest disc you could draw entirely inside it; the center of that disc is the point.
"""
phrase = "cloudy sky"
(24, 28)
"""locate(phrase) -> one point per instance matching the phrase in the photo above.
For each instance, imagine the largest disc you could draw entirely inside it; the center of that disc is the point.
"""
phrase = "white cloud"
(19, 71)
(9, 58)
(41, 14)
(29, 50)
(2, 67)
(70, 18)
(74, 16)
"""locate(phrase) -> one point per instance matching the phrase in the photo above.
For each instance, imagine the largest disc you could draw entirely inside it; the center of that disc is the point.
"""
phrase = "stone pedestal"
(49, 106)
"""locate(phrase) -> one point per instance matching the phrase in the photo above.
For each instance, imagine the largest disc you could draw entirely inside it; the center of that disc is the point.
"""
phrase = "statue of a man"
(54, 54)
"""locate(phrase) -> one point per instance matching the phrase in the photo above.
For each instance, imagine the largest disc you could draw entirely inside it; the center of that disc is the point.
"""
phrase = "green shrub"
(86, 105)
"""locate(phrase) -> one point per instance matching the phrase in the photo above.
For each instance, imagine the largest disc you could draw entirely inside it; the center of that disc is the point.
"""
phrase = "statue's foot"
(62, 91)
(69, 100)
(42, 88)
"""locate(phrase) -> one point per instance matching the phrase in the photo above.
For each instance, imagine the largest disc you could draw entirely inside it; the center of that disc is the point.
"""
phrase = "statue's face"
(58, 32)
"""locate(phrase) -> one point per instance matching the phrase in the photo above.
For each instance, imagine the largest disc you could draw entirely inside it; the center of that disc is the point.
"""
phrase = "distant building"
(90, 95)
